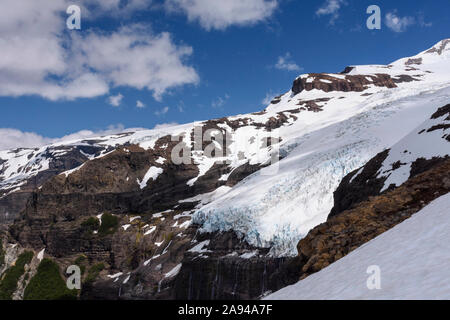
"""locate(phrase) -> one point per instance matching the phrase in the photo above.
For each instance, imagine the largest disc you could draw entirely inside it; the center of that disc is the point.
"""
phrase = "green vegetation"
(91, 223)
(89, 226)
(9, 282)
(81, 262)
(109, 224)
(94, 271)
(48, 284)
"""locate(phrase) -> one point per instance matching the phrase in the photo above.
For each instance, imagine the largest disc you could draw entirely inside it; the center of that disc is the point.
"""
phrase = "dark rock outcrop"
(60, 159)
(328, 83)
(233, 270)
(353, 190)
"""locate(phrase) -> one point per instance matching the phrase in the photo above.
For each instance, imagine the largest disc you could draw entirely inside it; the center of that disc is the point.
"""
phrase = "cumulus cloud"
(398, 24)
(40, 57)
(331, 8)
(162, 111)
(134, 57)
(220, 14)
(13, 138)
(285, 63)
(115, 101)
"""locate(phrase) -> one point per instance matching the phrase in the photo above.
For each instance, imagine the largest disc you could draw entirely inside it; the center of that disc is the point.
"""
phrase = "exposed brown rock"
(328, 83)
(441, 48)
(411, 61)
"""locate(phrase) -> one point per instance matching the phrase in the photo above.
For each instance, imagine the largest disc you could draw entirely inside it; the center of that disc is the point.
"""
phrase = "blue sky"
(201, 59)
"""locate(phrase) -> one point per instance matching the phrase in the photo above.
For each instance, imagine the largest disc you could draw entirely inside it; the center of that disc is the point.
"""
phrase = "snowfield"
(416, 267)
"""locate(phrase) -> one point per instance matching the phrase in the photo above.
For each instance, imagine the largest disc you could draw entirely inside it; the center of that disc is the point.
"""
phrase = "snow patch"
(152, 173)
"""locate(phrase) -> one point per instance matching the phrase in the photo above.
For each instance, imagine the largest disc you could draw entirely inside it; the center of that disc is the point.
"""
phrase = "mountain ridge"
(311, 138)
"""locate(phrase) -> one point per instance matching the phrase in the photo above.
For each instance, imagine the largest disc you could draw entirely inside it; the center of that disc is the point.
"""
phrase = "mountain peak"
(440, 47)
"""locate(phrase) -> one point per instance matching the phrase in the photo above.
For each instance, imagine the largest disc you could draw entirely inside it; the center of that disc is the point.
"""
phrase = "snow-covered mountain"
(321, 148)
(410, 259)
(328, 125)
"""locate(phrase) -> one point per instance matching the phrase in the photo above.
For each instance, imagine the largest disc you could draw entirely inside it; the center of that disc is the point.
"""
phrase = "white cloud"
(285, 63)
(13, 138)
(331, 8)
(115, 101)
(220, 101)
(220, 14)
(161, 112)
(165, 125)
(398, 24)
(134, 57)
(41, 57)
(140, 104)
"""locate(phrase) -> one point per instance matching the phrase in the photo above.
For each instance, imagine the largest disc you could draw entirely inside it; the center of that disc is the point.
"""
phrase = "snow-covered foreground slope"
(416, 267)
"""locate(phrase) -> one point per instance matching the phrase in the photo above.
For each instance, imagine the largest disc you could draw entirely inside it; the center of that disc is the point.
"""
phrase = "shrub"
(91, 223)
(94, 271)
(109, 224)
(9, 283)
(81, 261)
(48, 284)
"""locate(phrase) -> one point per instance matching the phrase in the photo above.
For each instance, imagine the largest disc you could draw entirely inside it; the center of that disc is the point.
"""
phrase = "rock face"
(35, 167)
(328, 82)
(207, 267)
(228, 268)
(355, 188)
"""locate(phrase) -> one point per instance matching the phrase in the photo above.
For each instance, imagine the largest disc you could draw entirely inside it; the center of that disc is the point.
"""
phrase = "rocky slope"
(214, 209)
